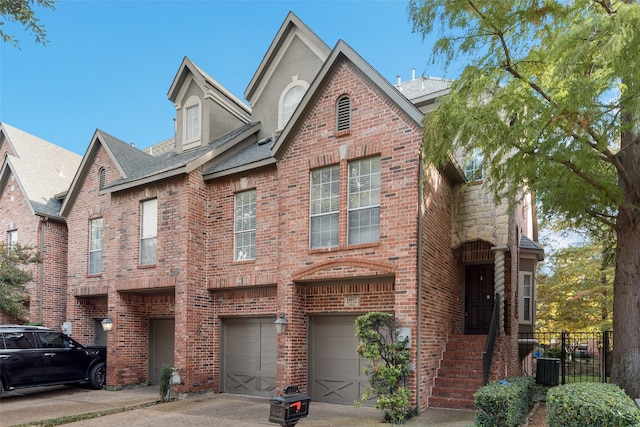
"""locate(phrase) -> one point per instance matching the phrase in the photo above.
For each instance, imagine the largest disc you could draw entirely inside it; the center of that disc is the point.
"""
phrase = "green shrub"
(504, 403)
(165, 379)
(388, 367)
(591, 404)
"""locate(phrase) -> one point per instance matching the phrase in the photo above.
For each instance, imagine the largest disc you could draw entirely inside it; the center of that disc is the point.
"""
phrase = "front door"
(161, 346)
(479, 296)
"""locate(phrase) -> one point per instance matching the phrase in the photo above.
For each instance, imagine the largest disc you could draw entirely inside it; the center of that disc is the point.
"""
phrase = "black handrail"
(487, 354)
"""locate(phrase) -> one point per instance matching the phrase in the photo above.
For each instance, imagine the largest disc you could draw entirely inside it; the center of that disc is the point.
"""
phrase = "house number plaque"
(352, 301)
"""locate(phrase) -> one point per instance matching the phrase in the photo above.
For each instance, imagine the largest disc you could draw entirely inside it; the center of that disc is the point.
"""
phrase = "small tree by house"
(388, 368)
(14, 274)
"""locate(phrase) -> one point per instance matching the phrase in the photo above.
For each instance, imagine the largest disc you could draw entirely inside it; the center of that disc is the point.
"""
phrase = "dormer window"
(290, 98)
(192, 120)
(343, 114)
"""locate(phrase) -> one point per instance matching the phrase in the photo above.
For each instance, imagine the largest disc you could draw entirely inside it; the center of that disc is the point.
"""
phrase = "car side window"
(53, 340)
(18, 340)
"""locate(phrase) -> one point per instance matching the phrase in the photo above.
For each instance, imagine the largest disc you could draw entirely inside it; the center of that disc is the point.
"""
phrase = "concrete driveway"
(223, 410)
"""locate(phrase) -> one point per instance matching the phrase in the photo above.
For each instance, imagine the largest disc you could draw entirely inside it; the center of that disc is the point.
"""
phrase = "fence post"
(604, 371)
(563, 356)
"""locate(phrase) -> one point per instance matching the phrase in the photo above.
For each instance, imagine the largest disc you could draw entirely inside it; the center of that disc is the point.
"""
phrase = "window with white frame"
(148, 231)
(526, 297)
(473, 164)
(290, 102)
(324, 199)
(12, 239)
(245, 226)
(95, 246)
(363, 223)
(192, 120)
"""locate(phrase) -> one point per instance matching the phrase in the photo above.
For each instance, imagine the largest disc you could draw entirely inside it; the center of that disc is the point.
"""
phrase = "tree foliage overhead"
(577, 294)
(14, 274)
(551, 98)
(22, 12)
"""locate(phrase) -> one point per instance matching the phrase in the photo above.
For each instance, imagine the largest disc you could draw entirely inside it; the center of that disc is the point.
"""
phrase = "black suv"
(35, 356)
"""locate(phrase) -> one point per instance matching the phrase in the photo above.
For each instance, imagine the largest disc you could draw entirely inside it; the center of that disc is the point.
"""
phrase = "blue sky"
(109, 64)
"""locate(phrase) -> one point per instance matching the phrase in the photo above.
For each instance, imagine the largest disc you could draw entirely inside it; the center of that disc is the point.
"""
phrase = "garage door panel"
(335, 374)
(249, 357)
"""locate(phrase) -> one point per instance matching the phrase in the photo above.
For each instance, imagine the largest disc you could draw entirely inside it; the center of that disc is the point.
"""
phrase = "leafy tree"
(551, 99)
(388, 363)
(14, 273)
(21, 12)
(577, 295)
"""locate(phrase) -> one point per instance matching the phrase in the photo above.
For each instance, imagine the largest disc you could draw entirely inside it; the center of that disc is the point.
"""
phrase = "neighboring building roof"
(163, 147)
(136, 167)
(419, 89)
(528, 245)
(42, 169)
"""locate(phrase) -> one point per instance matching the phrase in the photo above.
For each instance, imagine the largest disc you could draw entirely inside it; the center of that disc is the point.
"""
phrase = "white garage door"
(335, 371)
(249, 356)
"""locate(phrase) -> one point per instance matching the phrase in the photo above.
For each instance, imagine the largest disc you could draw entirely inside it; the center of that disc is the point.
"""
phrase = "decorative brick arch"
(345, 268)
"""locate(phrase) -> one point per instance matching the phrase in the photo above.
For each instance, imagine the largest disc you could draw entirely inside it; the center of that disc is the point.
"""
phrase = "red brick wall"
(51, 274)
(442, 285)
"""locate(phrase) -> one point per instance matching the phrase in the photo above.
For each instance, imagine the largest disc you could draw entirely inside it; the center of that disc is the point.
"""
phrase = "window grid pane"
(324, 205)
(192, 123)
(245, 226)
(364, 201)
(148, 231)
(95, 246)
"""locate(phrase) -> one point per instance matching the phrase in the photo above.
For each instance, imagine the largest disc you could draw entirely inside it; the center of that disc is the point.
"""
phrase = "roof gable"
(291, 28)
(42, 169)
(341, 52)
(188, 71)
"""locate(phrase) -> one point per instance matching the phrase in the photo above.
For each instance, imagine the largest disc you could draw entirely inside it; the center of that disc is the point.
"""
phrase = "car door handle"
(4, 356)
(49, 354)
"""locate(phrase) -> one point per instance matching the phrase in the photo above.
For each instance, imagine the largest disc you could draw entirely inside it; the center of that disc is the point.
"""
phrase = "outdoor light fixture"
(107, 324)
(281, 324)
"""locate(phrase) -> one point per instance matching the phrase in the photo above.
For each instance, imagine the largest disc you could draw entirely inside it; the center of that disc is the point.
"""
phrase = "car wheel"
(98, 376)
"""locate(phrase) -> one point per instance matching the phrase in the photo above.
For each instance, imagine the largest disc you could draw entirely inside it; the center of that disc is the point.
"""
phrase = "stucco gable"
(292, 28)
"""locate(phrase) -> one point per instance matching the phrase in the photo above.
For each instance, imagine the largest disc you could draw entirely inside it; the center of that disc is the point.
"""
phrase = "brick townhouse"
(309, 204)
(34, 175)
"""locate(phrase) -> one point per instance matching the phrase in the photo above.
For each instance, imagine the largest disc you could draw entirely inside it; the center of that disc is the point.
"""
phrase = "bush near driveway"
(591, 404)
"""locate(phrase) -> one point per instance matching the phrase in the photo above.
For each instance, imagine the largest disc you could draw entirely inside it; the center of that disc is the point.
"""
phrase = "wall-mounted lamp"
(281, 324)
(107, 324)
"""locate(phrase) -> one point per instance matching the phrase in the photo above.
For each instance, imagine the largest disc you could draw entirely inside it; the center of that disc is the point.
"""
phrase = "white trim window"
(95, 246)
(148, 231)
(244, 245)
(192, 120)
(324, 200)
(12, 239)
(290, 99)
(527, 292)
(473, 165)
(363, 224)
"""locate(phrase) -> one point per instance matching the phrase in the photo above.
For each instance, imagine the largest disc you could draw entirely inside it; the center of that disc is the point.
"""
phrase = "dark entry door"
(479, 298)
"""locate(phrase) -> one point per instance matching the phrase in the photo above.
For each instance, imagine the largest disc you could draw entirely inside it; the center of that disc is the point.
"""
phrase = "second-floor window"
(12, 239)
(526, 297)
(95, 246)
(363, 224)
(324, 209)
(473, 164)
(148, 231)
(245, 226)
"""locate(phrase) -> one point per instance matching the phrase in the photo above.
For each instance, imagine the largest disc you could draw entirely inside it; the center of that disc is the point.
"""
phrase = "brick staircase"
(460, 372)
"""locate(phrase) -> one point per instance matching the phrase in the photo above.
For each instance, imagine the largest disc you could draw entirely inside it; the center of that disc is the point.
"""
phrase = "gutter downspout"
(419, 269)
(41, 270)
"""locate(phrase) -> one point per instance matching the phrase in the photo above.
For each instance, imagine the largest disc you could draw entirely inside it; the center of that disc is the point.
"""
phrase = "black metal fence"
(566, 357)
